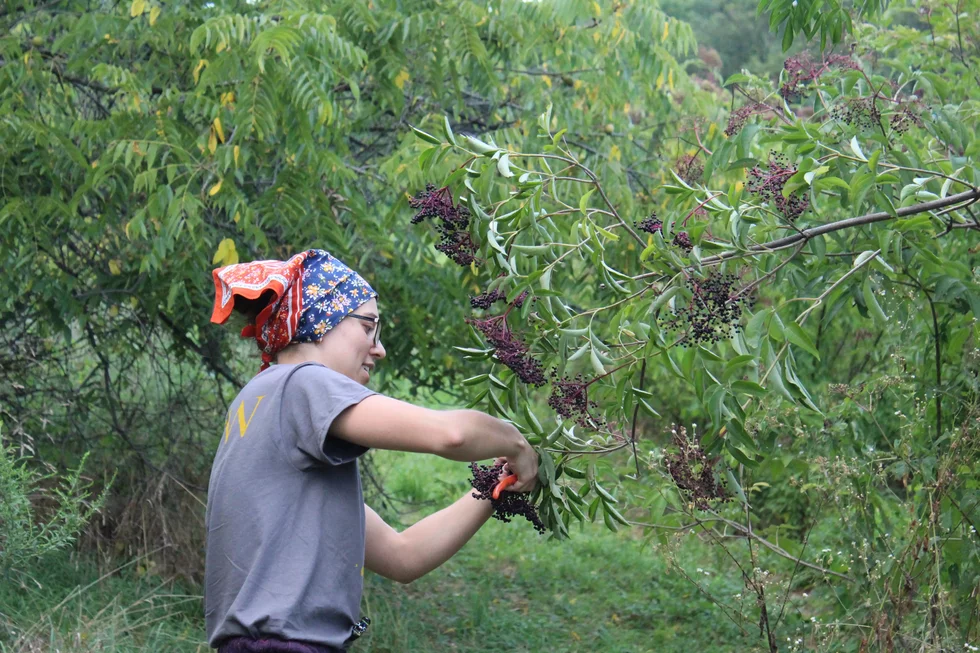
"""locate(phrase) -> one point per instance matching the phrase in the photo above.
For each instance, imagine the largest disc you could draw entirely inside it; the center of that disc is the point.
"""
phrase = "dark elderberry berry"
(682, 240)
(510, 504)
(509, 350)
(570, 400)
(768, 185)
(650, 224)
(693, 473)
(484, 300)
(689, 168)
(456, 242)
(713, 312)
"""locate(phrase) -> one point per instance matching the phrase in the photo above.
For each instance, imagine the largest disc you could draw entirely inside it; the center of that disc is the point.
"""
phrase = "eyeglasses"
(377, 325)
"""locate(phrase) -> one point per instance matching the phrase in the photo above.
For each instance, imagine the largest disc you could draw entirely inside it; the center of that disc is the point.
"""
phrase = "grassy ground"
(509, 589)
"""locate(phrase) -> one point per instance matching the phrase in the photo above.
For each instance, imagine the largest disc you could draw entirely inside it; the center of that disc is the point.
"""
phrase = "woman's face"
(349, 347)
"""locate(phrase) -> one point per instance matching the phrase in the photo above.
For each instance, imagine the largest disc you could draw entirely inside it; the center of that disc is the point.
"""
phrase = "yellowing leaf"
(136, 148)
(238, 216)
(212, 141)
(614, 153)
(739, 185)
(596, 9)
(115, 267)
(226, 254)
(660, 81)
(154, 14)
(401, 78)
(136, 9)
(219, 130)
(95, 164)
(547, 80)
(197, 71)
(221, 47)
(227, 98)
(666, 31)
(237, 152)
(113, 311)
(215, 189)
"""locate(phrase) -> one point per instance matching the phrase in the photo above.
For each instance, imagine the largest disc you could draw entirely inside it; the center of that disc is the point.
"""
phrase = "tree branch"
(969, 196)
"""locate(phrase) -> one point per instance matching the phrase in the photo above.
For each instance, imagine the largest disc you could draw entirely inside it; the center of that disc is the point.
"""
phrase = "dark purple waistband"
(249, 645)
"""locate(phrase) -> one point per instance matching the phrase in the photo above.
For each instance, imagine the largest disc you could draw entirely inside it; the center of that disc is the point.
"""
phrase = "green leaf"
(503, 166)
(425, 136)
(448, 130)
(856, 148)
(799, 337)
(874, 308)
(734, 485)
(583, 202)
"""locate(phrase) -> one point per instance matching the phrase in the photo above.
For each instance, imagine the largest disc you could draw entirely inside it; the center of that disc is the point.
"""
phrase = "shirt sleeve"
(312, 397)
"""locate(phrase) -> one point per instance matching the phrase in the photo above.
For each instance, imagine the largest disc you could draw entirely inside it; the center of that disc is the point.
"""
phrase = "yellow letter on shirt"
(242, 424)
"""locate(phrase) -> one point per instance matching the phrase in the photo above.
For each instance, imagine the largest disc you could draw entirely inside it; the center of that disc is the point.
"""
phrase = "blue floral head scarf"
(331, 292)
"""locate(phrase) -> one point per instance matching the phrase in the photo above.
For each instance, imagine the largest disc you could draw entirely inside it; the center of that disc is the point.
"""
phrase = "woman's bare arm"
(420, 548)
(381, 422)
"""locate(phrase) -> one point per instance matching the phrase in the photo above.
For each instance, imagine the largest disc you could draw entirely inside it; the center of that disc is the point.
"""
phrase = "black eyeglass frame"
(374, 320)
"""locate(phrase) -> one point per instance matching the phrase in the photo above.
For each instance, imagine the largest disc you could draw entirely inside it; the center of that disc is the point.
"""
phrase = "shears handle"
(504, 483)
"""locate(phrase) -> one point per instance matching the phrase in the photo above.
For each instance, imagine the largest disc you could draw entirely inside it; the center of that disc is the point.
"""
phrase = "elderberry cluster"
(570, 399)
(905, 118)
(485, 300)
(768, 185)
(694, 473)
(682, 240)
(801, 70)
(689, 168)
(509, 350)
(453, 223)
(714, 310)
(740, 116)
(510, 504)
(650, 224)
(860, 112)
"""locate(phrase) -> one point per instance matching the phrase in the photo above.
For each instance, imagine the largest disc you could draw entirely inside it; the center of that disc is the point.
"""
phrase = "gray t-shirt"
(285, 514)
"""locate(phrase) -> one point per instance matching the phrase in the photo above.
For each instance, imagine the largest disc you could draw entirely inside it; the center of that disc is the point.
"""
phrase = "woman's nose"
(378, 351)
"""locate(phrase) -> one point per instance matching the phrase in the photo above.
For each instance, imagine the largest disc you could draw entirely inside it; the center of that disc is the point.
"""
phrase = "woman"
(289, 535)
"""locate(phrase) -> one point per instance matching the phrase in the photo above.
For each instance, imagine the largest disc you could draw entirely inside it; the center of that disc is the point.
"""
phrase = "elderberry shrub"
(510, 350)
(570, 400)
(693, 473)
(453, 223)
(510, 504)
(713, 312)
(768, 185)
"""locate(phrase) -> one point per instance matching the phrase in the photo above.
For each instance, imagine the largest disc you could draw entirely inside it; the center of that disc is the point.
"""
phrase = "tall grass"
(509, 589)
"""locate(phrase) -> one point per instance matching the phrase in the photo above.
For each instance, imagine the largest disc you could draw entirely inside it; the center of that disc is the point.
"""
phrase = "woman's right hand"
(525, 466)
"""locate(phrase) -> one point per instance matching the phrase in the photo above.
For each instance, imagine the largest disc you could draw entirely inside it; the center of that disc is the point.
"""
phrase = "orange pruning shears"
(504, 483)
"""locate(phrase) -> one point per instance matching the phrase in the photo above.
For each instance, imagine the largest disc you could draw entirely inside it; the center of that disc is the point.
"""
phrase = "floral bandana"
(312, 293)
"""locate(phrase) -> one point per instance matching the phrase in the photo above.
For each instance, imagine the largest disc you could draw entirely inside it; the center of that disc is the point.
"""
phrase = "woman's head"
(351, 347)
(297, 304)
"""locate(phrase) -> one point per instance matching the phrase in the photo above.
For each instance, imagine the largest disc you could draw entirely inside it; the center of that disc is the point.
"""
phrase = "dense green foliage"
(768, 291)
